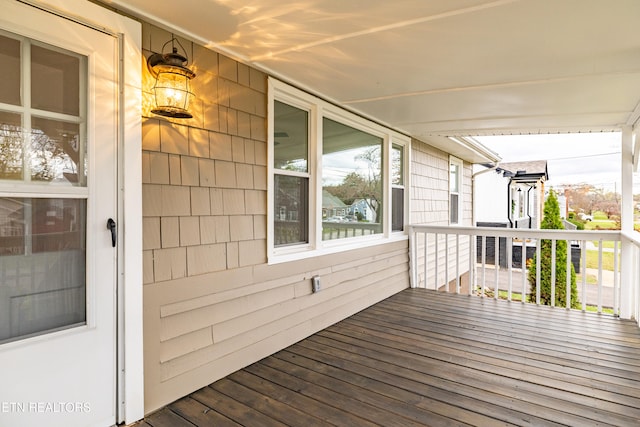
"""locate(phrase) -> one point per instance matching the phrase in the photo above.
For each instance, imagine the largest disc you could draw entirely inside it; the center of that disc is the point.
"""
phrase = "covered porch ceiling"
(436, 68)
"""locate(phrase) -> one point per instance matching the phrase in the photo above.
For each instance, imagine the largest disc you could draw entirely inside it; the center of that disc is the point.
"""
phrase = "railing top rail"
(634, 237)
(606, 235)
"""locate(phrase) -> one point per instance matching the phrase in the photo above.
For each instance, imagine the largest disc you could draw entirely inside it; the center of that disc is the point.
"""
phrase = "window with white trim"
(291, 175)
(397, 187)
(336, 180)
(455, 191)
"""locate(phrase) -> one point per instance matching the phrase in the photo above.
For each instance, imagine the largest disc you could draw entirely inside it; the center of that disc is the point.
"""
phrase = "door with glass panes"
(58, 139)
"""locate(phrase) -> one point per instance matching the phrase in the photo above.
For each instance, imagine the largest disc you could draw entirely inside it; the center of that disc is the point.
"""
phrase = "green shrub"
(551, 221)
(578, 223)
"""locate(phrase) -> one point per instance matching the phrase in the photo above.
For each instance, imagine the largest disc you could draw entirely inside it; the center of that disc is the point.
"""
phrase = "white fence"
(489, 262)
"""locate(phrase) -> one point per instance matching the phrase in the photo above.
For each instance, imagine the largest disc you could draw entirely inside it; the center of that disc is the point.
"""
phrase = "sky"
(590, 158)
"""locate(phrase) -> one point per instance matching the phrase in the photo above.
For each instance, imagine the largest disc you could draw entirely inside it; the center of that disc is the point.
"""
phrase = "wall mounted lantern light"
(171, 90)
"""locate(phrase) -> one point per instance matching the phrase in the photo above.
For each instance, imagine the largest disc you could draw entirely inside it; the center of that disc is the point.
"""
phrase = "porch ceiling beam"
(499, 85)
(531, 124)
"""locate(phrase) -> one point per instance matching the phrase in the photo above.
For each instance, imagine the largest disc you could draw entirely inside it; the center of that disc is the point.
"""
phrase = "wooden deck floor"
(425, 358)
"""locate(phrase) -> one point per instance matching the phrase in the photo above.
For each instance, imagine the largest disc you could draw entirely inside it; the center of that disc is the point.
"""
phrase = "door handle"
(111, 225)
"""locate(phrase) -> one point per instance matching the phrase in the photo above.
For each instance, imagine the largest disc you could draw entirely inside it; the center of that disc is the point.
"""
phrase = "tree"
(373, 189)
(11, 151)
(609, 204)
(352, 187)
(582, 197)
(587, 198)
(357, 185)
(552, 221)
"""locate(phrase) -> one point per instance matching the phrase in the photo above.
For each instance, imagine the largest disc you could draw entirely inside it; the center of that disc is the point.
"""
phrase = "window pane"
(55, 81)
(56, 225)
(291, 210)
(55, 152)
(397, 209)
(453, 179)
(351, 182)
(10, 60)
(397, 166)
(453, 209)
(42, 265)
(291, 134)
(10, 146)
(12, 227)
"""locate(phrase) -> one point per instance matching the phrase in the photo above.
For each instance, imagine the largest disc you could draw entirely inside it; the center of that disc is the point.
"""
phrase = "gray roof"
(330, 201)
(522, 171)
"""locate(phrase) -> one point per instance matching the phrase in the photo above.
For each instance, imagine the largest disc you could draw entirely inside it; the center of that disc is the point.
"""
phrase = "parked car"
(585, 217)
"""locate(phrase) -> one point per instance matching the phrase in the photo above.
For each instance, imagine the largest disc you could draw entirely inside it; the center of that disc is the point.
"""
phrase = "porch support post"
(626, 221)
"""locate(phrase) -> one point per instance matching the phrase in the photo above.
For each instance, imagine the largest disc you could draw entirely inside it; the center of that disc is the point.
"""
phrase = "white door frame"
(130, 364)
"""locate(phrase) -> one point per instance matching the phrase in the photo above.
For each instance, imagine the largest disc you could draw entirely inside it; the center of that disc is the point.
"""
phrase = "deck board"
(425, 358)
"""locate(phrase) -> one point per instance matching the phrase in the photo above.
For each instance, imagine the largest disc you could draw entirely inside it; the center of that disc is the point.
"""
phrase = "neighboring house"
(200, 236)
(364, 208)
(510, 195)
(332, 207)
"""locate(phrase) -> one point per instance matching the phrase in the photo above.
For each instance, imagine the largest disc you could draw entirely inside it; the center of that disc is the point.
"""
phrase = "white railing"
(488, 262)
(630, 293)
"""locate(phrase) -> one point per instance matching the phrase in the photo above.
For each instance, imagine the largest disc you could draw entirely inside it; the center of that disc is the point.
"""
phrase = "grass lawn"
(606, 244)
(594, 309)
(592, 279)
(599, 215)
(600, 221)
(602, 224)
(607, 260)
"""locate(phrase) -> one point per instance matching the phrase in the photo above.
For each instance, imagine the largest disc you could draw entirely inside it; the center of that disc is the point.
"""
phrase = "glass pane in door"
(10, 60)
(42, 265)
(55, 81)
(56, 151)
(11, 159)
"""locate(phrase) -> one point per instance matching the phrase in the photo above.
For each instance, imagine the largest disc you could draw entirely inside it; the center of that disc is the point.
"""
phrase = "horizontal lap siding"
(200, 338)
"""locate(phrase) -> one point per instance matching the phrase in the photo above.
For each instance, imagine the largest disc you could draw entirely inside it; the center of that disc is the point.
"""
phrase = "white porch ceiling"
(433, 68)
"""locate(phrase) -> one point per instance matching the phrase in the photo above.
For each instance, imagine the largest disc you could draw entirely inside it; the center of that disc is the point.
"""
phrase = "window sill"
(335, 247)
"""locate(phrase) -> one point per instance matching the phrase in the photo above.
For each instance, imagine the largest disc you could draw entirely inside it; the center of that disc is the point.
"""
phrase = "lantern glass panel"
(172, 90)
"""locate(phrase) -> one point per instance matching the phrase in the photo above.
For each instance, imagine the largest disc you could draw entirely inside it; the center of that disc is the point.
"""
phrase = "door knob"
(111, 225)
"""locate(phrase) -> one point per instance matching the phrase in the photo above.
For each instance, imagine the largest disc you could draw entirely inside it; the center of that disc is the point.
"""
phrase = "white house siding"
(467, 190)
(430, 206)
(212, 305)
(491, 198)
